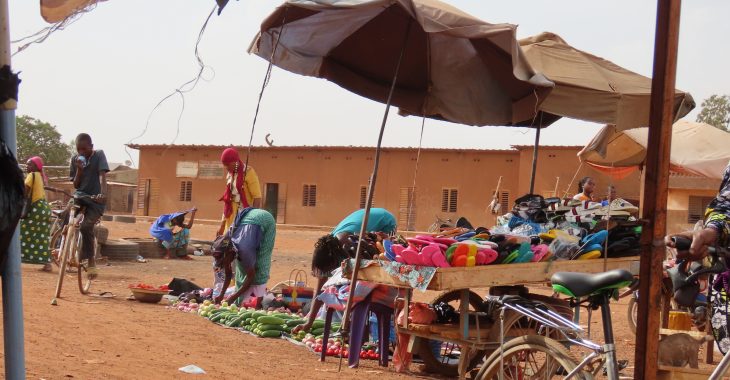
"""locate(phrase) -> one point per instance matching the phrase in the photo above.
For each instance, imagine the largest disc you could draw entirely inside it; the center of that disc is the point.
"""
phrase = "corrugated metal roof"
(339, 147)
(563, 147)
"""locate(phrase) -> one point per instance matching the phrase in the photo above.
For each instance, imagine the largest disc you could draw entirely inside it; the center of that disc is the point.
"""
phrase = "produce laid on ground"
(148, 293)
(273, 324)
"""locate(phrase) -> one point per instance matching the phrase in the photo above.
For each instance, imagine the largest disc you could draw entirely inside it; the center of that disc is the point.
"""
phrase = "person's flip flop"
(486, 256)
(539, 252)
(525, 254)
(426, 255)
(590, 255)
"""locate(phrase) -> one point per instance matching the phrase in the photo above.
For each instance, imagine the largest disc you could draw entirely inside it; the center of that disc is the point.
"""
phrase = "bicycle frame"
(71, 230)
(571, 332)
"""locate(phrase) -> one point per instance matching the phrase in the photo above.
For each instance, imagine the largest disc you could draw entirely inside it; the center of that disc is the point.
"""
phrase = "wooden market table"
(463, 279)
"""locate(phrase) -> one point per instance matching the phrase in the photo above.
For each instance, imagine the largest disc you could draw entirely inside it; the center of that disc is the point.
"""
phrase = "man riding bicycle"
(716, 229)
(88, 171)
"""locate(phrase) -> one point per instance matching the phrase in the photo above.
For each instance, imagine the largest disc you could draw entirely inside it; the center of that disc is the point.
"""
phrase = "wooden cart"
(463, 279)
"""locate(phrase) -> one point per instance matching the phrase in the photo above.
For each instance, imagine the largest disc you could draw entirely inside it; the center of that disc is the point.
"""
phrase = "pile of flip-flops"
(465, 248)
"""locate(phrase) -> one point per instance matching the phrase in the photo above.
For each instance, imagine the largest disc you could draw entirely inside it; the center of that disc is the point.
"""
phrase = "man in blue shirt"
(88, 173)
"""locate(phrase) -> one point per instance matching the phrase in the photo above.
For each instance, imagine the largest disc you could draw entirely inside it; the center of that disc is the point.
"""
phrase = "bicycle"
(535, 356)
(440, 224)
(70, 248)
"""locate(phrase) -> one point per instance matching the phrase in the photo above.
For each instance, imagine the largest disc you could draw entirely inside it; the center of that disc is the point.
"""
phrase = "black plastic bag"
(179, 286)
(12, 198)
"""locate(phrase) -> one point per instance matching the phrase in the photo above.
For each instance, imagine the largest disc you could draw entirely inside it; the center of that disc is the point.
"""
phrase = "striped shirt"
(265, 220)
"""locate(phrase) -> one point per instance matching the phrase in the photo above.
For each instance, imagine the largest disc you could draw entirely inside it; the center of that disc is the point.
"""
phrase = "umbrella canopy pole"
(534, 160)
(654, 213)
(11, 274)
(371, 187)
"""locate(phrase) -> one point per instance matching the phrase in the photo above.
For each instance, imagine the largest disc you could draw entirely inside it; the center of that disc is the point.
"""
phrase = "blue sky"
(105, 73)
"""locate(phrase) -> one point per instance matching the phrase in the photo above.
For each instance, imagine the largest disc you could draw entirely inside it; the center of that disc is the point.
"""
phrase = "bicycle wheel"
(56, 243)
(69, 236)
(447, 362)
(82, 273)
(529, 357)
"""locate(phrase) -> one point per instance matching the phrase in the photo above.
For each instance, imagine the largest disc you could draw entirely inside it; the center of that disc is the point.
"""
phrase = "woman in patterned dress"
(35, 228)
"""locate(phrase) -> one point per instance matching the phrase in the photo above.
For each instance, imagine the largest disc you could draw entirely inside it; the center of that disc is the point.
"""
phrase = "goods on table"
(535, 230)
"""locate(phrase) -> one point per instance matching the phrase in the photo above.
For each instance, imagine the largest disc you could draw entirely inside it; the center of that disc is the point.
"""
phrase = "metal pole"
(654, 202)
(11, 274)
(345, 330)
(534, 160)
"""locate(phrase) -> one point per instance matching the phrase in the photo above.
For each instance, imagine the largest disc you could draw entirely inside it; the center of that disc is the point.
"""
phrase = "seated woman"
(586, 186)
(332, 249)
(173, 233)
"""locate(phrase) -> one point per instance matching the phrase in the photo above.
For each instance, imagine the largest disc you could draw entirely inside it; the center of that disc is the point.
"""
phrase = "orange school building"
(318, 185)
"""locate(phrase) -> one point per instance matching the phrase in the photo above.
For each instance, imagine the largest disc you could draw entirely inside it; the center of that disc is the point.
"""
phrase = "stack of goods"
(536, 230)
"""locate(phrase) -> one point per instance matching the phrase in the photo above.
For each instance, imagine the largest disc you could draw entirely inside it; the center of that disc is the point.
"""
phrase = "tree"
(716, 112)
(38, 138)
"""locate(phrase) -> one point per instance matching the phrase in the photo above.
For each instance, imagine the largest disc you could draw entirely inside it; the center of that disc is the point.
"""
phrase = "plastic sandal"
(590, 255)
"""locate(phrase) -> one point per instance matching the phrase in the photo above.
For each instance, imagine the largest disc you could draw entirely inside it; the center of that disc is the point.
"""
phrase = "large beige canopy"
(591, 88)
(455, 67)
(54, 11)
(697, 149)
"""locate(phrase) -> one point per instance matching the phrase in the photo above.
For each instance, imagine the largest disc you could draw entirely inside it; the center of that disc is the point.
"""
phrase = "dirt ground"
(87, 337)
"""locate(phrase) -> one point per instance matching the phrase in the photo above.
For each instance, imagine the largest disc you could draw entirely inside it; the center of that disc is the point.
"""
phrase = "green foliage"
(716, 112)
(38, 138)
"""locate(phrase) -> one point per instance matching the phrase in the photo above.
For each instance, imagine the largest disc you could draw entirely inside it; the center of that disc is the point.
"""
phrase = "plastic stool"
(359, 317)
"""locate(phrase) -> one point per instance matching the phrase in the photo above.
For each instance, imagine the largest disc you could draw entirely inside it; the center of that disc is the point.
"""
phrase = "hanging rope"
(412, 195)
(182, 90)
(42, 35)
(565, 194)
(267, 78)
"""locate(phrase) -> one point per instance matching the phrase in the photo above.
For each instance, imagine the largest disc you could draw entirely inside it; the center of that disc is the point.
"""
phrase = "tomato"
(345, 354)
(363, 355)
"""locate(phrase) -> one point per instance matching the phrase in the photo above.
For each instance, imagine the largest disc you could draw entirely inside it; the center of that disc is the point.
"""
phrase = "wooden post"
(655, 186)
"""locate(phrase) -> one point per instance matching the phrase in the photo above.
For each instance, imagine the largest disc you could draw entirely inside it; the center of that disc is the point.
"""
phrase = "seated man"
(251, 247)
(173, 234)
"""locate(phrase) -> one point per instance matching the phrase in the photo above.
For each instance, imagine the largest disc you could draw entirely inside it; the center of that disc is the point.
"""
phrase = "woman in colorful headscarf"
(35, 229)
(242, 188)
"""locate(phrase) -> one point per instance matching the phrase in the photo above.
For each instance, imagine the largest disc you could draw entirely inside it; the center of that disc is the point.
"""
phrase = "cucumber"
(270, 334)
(317, 332)
(283, 316)
(247, 315)
(269, 320)
(217, 317)
(249, 321)
(295, 322)
(318, 323)
(257, 314)
(237, 322)
(271, 327)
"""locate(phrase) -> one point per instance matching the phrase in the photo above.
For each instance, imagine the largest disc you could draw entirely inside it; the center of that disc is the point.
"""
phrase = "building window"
(697, 206)
(449, 200)
(364, 197)
(309, 195)
(186, 191)
(504, 201)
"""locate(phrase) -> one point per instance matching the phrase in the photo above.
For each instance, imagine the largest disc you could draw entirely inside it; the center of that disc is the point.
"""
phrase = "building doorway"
(271, 199)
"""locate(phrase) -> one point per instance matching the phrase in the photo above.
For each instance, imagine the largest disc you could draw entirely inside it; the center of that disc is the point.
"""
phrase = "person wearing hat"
(243, 189)
(173, 233)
